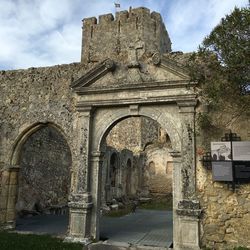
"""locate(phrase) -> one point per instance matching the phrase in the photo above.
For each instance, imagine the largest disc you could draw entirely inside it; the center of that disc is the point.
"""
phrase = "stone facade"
(127, 70)
(226, 212)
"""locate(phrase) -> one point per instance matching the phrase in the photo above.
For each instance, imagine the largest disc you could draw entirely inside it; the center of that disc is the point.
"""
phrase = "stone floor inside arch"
(149, 228)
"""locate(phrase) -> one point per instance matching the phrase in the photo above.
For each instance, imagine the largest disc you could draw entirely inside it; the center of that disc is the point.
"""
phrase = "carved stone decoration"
(188, 151)
(83, 147)
(82, 170)
(188, 161)
(156, 58)
(189, 208)
(80, 200)
(133, 54)
(109, 64)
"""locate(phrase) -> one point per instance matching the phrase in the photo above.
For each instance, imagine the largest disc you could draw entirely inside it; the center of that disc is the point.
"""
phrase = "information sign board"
(222, 170)
(241, 150)
(221, 151)
(242, 170)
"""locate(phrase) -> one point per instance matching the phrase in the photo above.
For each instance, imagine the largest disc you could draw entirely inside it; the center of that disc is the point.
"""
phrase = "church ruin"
(127, 71)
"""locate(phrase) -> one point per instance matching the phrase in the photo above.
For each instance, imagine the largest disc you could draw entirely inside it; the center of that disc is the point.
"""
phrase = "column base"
(8, 226)
(72, 239)
(187, 228)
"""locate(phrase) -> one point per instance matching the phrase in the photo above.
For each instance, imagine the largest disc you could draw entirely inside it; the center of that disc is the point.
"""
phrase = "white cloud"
(48, 32)
(190, 21)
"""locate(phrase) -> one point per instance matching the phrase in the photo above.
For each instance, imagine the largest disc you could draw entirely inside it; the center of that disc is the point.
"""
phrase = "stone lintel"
(130, 86)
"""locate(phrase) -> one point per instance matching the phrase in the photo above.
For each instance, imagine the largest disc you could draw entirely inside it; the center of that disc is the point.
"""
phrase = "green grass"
(155, 204)
(119, 212)
(158, 204)
(14, 241)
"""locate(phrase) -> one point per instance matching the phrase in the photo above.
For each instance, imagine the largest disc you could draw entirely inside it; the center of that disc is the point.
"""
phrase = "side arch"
(26, 133)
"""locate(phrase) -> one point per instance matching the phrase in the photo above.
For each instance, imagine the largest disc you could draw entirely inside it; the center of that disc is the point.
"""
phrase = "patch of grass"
(158, 204)
(119, 212)
(15, 241)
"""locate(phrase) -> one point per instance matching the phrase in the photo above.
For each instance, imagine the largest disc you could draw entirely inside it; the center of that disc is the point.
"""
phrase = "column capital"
(84, 109)
(187, 106)
(14, 168)
(175, 153)
(80, 200)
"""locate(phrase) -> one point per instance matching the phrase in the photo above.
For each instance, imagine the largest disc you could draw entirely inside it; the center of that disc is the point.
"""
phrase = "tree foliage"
(221, 66)
(230, 42)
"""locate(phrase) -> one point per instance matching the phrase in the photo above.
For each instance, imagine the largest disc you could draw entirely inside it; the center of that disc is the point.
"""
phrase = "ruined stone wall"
(158, 170)
(226, 214)
(149, 131)
(28, 98)
(133, 133)
(44, 176)
(126, 135)
(136, 29)
(35, 95)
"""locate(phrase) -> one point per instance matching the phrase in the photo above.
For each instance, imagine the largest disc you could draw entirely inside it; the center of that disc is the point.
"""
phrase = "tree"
(221, 67)
(230, 42)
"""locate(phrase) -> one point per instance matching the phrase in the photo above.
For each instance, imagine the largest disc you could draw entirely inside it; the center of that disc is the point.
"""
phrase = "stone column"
(80, 200)
(187, 211)
(187, 111)
(5, 176)
(177, 192)
(8, 197)
(96, 183)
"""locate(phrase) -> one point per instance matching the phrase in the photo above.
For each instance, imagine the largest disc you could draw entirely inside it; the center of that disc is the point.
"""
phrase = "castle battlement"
(111, 37)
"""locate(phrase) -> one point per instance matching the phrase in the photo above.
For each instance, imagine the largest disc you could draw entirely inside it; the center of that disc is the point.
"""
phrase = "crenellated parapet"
(115, 37)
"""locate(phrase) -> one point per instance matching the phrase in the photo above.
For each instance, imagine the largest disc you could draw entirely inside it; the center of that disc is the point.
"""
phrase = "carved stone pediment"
(94, 74)
(172, 66)
(155, 70)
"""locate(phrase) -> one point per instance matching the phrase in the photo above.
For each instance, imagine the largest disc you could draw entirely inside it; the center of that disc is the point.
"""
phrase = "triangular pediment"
(111, 75)
(94, 74)
(170, 68)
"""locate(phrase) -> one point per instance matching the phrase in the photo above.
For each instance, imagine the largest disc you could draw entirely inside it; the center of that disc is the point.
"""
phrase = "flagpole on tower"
(117, 6)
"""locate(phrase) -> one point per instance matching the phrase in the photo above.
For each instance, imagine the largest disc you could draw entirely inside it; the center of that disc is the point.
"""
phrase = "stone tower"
(131, 34)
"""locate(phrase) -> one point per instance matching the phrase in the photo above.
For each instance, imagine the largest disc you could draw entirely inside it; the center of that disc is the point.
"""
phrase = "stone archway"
(27, 140)
(179, 127)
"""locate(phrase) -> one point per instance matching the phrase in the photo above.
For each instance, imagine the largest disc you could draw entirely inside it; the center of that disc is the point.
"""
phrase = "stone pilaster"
(96, 163)
(187, 211)
(8, 197)
(187, 110)
(80, 200)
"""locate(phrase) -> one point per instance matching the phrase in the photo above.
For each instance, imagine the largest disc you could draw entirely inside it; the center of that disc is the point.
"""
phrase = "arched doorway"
(44, 160)
(128, 138)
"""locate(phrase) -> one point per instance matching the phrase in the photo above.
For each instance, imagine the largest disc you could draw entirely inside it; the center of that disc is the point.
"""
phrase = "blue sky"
(47, 32)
